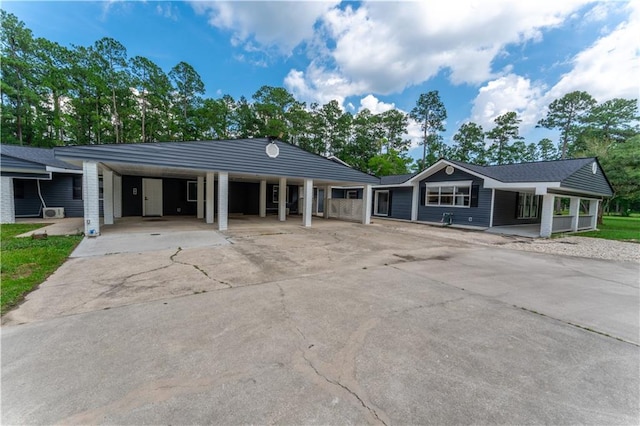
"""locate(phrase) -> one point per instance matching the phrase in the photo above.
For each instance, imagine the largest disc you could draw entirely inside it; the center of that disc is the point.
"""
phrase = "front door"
(152, 197)
(382, 203)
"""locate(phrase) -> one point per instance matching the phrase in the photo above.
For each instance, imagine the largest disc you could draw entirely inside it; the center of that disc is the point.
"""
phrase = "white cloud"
(375, 105)
(282, 25)
(508, 93)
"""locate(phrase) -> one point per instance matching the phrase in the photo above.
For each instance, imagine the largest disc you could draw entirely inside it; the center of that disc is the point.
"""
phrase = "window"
(276, 194)
(101, 189)
(192, 190)
(77, 187)
(18, 189)
(382, 203)
(527, 206)
(454, 194)
(352, 194)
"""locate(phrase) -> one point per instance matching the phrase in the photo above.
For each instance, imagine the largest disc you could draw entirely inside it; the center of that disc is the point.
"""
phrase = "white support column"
(593, 212)
(117, 195)
(493, 201)
(307, 203)
(546, 218)
(91, 198)
(209, 198)
(223, 200)
(282, 200)
(200, 198)
(415, 201)
(7, 202)
(107, 203)
(327, 198)
(366, 205)
(574, 212)
(263, 198)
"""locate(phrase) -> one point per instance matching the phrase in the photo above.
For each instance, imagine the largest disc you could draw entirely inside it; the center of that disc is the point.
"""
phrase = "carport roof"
(245, 156)
(30, 157)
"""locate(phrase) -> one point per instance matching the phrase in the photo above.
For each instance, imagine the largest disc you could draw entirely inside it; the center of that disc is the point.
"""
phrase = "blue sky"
(485, 57)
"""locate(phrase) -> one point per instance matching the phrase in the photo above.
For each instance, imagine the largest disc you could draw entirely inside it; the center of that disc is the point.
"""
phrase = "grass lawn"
(27, 262)
(617, 228)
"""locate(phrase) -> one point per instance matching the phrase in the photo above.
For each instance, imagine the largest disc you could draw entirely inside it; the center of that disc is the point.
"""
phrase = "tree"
(505, 130)
(153, 90)
(188, 86)
(391, 162)
(114, 66)
(431, 114)
(270, 106)
(394, 126)
(567, 114)
(546, 150)
(469, 144)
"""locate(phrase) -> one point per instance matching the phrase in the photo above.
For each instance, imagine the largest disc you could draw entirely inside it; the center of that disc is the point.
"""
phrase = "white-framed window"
(527, 206)
(352, 194)
(451, 194)
(381, 202)
(275, 194)
(101, 189)
(192, 190)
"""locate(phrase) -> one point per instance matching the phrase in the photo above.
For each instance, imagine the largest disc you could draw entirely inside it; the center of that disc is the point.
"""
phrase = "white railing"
(562, 223)
(584, 222)
(344, 209)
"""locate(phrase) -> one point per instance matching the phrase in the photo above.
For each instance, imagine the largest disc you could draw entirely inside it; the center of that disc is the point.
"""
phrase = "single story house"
(209, 180)
(36, 184)
(489, 197)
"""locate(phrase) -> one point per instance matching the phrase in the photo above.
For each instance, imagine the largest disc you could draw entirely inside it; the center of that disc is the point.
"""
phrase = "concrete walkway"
(66, 226)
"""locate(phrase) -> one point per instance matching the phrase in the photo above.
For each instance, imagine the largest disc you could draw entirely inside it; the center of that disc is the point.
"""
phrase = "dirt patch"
(23, 271)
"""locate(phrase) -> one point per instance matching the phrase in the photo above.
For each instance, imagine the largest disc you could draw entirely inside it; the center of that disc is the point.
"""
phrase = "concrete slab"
(339, 323)
(140, 242)
(66, 226)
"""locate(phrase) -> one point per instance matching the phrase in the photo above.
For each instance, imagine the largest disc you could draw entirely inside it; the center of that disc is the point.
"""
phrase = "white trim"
(223, 201)
(192, 200)
(337, 160)
(61, 170)
(441, 164)
(397, 185)
(449, 183)
(375, 203)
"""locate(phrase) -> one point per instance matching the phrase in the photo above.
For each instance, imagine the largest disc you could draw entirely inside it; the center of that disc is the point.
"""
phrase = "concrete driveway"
(340, 323)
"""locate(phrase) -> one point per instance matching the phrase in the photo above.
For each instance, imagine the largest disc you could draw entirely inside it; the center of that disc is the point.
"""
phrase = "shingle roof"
(235, 156)
(541, 171)
(395, 179)
(43, 156)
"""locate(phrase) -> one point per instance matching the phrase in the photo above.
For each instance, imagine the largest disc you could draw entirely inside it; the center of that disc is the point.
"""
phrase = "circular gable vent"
(272, 150)
(449, 170)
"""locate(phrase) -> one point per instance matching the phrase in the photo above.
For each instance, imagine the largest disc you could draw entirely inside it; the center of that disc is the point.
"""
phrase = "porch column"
(574, 212)
(327, 198)
(7, 202)
(107, 203)
(117, 195)
(263, 198)
(90, 197)
(223, 200)
(493, 201)
(546, 218)
(282, 200)
(209, 198)
(307, 203)
(200, 198)
(415, 200)
(366, 205)
(593, 212)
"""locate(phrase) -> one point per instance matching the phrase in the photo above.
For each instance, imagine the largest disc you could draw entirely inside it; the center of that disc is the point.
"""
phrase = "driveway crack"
(197, 268)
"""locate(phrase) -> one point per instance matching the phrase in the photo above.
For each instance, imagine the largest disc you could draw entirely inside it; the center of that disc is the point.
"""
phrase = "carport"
(208, 180)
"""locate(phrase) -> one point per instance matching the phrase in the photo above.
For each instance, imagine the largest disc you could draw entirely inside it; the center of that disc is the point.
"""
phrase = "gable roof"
(34, 156)
(242, 156)
(541, 171)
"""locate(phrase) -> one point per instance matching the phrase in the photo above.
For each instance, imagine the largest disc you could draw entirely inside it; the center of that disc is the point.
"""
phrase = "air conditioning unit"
(53, 212)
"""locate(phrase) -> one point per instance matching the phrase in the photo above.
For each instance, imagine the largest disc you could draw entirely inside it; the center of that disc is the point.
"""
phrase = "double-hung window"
(452, 194)
(527, 206)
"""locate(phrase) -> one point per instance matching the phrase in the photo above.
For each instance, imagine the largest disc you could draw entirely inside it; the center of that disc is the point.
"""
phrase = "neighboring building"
(210, 180)
(490, 197)
(35, 183)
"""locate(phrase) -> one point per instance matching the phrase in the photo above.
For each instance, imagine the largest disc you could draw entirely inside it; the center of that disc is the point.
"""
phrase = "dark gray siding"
(400, 202)
(471, 216)
(174, 198)
(585, 180)
(342, 193)
(57, 192)
(132, 203)
(505, 210)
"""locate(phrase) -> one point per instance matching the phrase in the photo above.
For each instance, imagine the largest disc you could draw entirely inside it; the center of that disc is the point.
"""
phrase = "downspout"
(44, 205)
